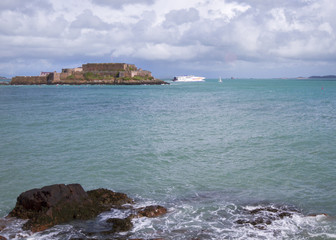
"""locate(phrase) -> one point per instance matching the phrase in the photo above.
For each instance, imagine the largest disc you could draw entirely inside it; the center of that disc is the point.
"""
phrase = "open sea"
(209, 152)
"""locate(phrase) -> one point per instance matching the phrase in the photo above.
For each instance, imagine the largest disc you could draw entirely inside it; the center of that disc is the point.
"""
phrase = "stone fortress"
(92, 73)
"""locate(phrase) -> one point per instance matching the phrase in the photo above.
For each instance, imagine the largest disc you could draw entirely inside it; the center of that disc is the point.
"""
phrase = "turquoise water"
(208, 151)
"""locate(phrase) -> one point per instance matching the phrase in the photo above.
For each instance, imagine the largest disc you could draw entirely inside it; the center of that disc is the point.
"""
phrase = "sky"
(210, 38)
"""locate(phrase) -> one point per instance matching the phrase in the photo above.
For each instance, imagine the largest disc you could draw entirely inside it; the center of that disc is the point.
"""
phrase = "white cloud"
(87, 20)
(120, 3)
(179, 17)
(168, 52)
(211, 33)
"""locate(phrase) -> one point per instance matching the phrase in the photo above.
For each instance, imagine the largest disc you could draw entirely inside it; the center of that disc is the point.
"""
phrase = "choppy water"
(209, 152)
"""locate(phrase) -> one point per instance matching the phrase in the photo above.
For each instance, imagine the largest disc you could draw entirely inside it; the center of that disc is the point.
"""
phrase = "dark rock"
(2, 238)
(267, 209)
(152, 211)
(265, 216)
(285, 214)
(148, 239)
(82, 238)
(121, 225)
(107, 199)
(52, 205)
(61, 203)
(241, 221)
(257, 221)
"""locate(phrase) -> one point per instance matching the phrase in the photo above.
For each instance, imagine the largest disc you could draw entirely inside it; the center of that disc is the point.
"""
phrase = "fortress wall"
(31, 80)
(132, 67)
(72, 70)
(108, 73)
(98, 67)
(55, 76)
(141, 73)
(74, 75)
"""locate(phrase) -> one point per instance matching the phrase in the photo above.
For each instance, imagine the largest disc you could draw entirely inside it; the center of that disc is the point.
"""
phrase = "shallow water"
(207, 151)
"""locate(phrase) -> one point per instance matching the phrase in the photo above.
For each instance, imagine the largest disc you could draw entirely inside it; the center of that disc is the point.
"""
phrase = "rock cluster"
(263, 216)
(57, 204)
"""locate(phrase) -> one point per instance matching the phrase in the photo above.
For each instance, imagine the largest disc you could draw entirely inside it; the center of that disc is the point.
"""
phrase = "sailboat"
(220, 79)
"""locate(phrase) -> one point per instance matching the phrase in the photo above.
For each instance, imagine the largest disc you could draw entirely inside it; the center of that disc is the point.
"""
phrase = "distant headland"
(4, 80)
(92, 73)
(327, 76)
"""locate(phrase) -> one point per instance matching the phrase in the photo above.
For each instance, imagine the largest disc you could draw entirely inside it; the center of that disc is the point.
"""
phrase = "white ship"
(188, 78)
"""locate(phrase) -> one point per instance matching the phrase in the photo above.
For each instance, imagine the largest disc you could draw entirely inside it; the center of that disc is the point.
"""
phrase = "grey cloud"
(268, 33)
(178, 17)
(28, 26)
(262, 4)
(118, 4)
(252, 38)
(88, 20)
(25, 7)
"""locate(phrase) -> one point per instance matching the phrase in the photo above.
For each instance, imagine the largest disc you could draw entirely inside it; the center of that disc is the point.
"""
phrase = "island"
(327, 76)
(4, 80)
(93, 74)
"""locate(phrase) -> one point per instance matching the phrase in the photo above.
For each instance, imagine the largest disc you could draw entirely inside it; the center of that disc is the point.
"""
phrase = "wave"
(198, 217)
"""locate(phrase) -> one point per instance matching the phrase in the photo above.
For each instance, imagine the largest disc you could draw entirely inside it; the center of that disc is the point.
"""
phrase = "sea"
(224, 158)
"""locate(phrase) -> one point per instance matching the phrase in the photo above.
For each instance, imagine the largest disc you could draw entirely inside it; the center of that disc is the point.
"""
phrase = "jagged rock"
(82, 238)
(2, 238)
(151, 211)
(107, 199)
(121, 225)
(265, 216)
(61, 203)
(148, 239)
(267, 209)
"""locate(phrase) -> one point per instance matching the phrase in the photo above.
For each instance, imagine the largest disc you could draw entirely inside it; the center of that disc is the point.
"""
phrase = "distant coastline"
(4, 80)
(92, 74)
(327, 76)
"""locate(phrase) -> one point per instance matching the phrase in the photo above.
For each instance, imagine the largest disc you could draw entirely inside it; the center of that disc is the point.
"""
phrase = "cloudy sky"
(240, 38)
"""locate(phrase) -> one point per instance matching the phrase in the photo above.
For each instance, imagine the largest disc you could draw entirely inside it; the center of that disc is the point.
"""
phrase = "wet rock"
(148, 239)
(52, 205)
(105, 199)
(120, 225)
(2, 238)
(152, 211)
(263, 216)
(267, 209)
(61, 203)
(82, 238)
(242, 221)
(285, 214)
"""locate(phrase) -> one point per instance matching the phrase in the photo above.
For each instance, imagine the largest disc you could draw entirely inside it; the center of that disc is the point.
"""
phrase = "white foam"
(14, 230)
(190, 220)
(52, 233)
(114, 213)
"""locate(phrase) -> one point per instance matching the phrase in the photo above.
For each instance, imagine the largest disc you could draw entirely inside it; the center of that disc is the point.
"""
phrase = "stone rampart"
(142, 73)
(72, 70)
(103, 67)
(29, 80)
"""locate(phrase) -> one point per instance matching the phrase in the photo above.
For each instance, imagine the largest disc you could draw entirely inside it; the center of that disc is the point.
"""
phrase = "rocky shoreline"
(59, 204)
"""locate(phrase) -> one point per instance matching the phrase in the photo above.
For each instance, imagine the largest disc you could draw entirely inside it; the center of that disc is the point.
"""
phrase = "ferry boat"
(188, 78)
